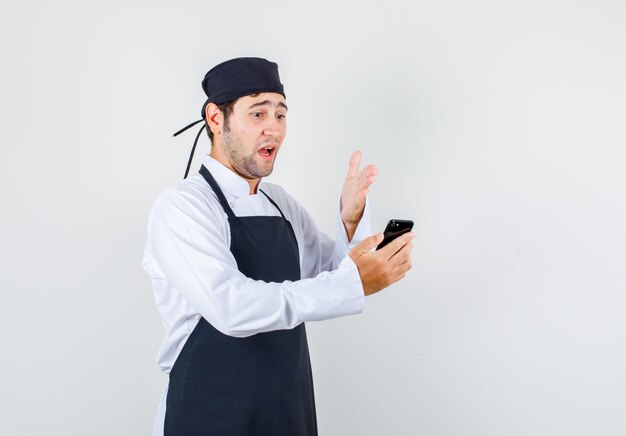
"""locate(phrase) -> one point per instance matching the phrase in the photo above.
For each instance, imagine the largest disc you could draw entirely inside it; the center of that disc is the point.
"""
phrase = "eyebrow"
(266, 102)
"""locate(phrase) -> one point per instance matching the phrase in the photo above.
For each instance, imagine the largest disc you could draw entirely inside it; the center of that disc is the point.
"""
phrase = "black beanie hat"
(240, 77)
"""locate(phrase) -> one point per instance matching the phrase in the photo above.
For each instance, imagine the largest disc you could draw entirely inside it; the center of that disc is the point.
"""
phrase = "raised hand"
(355, 189)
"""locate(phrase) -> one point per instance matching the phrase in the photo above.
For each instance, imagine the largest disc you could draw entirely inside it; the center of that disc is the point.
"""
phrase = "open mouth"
(267, 153)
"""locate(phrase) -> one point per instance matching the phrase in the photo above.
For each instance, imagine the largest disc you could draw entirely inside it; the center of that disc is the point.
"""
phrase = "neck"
(254, 185)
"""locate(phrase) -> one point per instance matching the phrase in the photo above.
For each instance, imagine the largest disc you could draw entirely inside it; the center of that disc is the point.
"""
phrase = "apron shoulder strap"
(274, 203)
(222, 199)
(220, 195)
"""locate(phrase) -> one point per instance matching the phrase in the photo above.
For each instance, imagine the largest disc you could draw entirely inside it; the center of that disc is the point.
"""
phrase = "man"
(238, 266)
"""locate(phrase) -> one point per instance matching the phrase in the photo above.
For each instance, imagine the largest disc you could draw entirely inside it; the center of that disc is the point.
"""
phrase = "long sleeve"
(188, 250)
(320, 252)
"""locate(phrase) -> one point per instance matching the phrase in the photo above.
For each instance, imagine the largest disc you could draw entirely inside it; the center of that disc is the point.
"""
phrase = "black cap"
(240, 77)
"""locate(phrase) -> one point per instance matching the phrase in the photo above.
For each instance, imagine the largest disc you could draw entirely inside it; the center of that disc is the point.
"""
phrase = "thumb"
(368, 243)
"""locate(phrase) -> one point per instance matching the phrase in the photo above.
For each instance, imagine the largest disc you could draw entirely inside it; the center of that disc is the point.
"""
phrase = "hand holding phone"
(379, 269)
(394, 229)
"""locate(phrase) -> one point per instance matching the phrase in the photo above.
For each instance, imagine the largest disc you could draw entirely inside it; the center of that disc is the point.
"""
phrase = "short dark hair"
(227, 109)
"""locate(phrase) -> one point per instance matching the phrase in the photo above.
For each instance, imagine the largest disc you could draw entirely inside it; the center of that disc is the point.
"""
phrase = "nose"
(272, 127)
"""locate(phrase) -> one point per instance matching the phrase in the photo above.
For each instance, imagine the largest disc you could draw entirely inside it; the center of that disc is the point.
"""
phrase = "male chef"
(238, 267)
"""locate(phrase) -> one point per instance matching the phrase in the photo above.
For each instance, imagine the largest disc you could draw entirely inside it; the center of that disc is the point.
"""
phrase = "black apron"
(259, 385)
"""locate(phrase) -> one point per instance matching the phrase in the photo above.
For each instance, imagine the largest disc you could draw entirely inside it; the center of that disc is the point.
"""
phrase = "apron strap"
(220, 195)
(274, 203)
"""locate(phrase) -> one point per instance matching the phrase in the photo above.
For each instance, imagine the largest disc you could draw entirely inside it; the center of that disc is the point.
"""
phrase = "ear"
(215, 118)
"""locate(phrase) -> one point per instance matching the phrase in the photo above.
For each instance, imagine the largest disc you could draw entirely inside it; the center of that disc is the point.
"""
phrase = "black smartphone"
(394, 229)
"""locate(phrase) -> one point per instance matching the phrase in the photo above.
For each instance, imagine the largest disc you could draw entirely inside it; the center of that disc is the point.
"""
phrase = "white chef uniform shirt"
(194, 273)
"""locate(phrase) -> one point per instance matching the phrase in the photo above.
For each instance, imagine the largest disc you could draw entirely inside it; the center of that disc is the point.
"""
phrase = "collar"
(231, 183)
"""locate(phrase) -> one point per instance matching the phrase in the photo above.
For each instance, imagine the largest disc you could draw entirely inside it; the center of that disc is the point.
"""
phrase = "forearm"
(240, 307)
(349, 235)
(200, 268)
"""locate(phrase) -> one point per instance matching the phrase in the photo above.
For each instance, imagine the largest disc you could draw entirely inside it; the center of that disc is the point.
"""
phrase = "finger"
(366, 174)
(403, 255)
(369, 170)
(397, 276)
(368, 243)
(402, 269)
(396, 245)
(353, 166)
(366, 182)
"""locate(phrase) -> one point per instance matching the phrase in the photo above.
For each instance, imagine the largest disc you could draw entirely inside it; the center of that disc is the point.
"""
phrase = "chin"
(265, 168)
(266, 173)
(256, 172)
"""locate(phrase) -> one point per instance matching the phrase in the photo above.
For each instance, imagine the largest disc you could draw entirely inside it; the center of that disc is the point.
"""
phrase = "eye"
(257, 114)
(281, 116)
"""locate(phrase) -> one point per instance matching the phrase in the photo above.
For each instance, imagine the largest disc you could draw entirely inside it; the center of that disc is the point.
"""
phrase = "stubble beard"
(245, 165)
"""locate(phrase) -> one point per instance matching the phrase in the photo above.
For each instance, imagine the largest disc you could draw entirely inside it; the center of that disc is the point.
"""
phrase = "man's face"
(254, 133)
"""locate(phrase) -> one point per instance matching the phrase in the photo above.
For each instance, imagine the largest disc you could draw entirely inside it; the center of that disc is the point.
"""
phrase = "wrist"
(349, 222)
(352, 220)
(350, 228)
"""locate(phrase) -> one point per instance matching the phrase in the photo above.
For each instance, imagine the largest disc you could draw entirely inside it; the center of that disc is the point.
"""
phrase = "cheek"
(247, 132)
(251, 139)
(237, 124)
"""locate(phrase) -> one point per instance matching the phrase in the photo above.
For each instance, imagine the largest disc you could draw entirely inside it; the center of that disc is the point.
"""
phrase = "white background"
(498, 127)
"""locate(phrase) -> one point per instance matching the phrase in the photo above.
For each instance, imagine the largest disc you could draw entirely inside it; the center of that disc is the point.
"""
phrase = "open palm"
(354, 192)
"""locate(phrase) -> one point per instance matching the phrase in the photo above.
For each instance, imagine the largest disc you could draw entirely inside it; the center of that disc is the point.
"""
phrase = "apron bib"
(259, 385)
